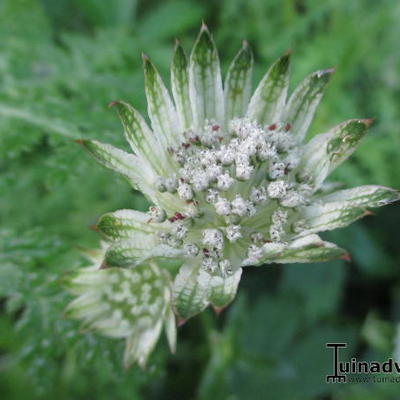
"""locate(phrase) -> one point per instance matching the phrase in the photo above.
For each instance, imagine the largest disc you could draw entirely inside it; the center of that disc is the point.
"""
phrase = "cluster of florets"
(230, 175)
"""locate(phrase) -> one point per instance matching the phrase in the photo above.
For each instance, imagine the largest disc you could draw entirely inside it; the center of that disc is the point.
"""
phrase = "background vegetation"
(61, 62)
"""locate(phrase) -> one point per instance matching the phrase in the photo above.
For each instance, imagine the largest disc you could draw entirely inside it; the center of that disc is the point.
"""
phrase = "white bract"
(232, 184)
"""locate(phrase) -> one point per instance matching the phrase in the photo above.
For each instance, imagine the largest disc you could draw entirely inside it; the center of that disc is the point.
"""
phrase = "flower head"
(232, 183)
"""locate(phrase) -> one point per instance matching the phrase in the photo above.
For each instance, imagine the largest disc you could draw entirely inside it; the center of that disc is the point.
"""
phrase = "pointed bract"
(205, 82)
(141, 247)
(266, 105)
(190, 291)
(223, 289)
(302, 104)
(142, 140)
(308, 249)
(328, 216)
(124, 163)
(124, 224)
(327, 151)
(363, 196)
(170, 329)
(160, 107)
(237, 88)
(180, 87)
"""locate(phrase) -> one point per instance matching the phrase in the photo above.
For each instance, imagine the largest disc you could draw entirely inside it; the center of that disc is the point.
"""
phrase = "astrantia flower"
(232, 184)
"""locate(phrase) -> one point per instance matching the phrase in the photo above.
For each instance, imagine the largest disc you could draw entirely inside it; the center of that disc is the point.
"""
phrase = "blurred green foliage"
(61, 63)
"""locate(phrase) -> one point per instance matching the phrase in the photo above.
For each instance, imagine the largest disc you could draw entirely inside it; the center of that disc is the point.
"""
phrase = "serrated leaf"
(267, 102)
(302, 104)
(126, 223)
(205, 83)
(180, 87)
(160, 107)
(326, 151)
(237, 88)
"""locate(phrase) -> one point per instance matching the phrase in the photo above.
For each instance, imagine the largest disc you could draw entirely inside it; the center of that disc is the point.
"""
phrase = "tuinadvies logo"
(342, 368)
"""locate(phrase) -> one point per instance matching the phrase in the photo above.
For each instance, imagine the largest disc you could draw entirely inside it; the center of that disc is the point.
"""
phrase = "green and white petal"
(124, 304)
(237, 88)
(118, 160)
(190, 291)
(223, 289)
(363, 196)
(302, 104)
(205, 82)
(139, 346)
(180, 87)
(139, 175)
(170, 329)
(326, 151)
(321, 217)
(125, 224)
(310, 248)
(81, 281)
(141, 247)
(161, 110)
(87, 306)
(267, 102)
(141, 139)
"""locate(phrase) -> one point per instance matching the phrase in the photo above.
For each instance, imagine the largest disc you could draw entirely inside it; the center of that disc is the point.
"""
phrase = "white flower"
(232, 183)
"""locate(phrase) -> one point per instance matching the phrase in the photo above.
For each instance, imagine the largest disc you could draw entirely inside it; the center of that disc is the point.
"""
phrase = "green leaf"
(118, 13)
(205, 83)
(319, 286)
(379, 333)
(302, 104)
(237, 88)
(142, 140)
(180, 87)
(326, 151)
(127, 223)
(165, 20)
(267, 102)
(54, 127)
(160, 107)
